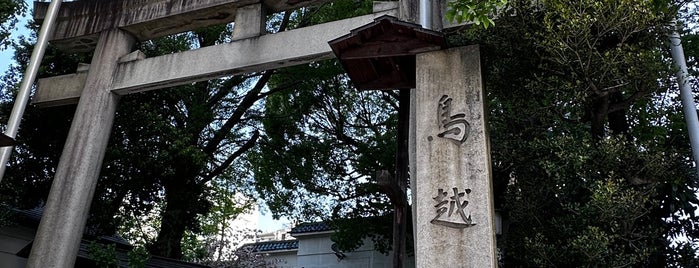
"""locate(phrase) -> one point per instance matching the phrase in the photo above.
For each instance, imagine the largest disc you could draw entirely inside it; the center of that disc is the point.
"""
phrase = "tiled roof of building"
(311, 227)
(273, 245)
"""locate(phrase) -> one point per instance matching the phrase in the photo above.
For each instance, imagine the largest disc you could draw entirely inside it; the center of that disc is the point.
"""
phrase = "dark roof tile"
(272, 245)
(311, 227)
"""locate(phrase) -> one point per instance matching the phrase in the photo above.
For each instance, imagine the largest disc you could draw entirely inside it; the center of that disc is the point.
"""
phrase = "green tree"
(323, 143)
(590, 155)
(192, 135)
(10, 11)
(480, 12)
(34, 160)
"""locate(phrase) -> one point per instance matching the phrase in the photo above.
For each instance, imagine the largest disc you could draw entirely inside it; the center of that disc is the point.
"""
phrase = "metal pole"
(690, 110)
(29, 77)
(426, 14)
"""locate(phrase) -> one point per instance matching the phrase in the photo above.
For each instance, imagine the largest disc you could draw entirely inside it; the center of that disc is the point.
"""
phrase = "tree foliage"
(480, 12)
(590, 156)
(323, 143)
(10, 11)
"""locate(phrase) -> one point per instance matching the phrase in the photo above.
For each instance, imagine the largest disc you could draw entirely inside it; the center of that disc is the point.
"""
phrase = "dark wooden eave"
(381, 54)
(6, 141)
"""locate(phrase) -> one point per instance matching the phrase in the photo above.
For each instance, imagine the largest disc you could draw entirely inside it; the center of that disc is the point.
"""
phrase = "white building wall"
(281, 259)
(315, 251)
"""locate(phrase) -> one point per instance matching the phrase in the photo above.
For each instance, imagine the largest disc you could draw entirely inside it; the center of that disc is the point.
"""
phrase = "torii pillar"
(58, 238)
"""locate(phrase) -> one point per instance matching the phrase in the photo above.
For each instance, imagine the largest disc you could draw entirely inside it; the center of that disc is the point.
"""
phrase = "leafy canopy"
(476, 11)
(10, 11)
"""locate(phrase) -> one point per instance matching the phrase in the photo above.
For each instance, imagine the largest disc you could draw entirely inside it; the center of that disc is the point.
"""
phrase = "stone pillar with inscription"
(450, 162)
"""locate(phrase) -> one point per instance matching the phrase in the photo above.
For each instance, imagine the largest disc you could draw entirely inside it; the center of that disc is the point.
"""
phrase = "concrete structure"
(61, 90)
(451, 162)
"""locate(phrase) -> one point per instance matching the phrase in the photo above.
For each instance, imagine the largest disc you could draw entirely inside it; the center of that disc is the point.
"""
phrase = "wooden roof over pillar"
(381, 55)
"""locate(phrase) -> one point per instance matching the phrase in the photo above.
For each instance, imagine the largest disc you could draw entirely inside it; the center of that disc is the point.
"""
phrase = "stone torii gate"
(451, 168)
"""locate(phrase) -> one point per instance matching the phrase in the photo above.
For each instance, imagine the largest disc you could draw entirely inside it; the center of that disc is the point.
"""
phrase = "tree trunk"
(171, 232)
(185, 200)
(598, 116)
(175, 220)
(395, 187)
(600, 113)
(617, 119)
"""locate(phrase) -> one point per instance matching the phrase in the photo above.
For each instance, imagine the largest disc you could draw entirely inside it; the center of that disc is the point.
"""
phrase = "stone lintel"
(294, 47)
(133, 56)
(79, 22)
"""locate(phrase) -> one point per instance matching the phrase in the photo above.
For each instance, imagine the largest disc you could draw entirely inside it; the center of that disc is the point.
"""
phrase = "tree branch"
(246, 146)
(250, 98)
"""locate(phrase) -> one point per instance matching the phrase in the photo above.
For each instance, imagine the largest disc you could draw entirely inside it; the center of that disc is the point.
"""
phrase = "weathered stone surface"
(451, 158)
(59, 90)
(281, 5)
(250, 22)
(409, 11)
(384, 5)
(271, 51)
(61, 228)
(79, 22)
(133, 56)
(278, 50)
